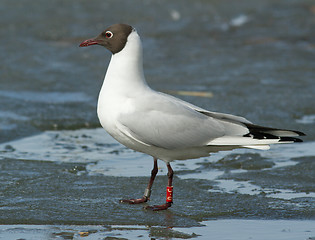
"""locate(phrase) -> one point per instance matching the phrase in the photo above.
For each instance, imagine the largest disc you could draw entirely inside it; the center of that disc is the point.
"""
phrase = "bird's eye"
(109, 34)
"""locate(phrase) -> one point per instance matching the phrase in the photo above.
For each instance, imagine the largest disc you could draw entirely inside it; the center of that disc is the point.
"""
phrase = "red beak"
(89, 42)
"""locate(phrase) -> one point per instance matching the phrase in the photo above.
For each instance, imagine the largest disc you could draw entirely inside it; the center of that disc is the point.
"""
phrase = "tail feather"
(259, 137)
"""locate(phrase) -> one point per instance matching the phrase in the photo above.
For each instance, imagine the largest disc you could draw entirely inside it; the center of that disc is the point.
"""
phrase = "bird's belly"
(111, 127)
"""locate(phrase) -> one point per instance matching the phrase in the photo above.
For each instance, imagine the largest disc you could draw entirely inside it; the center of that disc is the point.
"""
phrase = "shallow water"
(71, 177)
(251, 229)
(62, 174)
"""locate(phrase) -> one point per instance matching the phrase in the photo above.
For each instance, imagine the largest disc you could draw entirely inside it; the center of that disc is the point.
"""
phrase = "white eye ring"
(109, 34)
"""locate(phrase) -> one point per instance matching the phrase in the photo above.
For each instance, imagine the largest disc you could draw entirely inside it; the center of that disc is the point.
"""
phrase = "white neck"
(125, 70)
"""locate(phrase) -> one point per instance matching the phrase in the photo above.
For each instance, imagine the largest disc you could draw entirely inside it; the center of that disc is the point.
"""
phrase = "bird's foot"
(135, 201)
(159, 207)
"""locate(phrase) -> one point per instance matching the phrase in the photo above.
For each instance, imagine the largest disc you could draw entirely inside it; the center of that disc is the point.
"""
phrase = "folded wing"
(171, 123)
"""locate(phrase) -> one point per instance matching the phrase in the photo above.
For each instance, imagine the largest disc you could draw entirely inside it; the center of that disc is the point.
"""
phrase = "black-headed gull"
(163, 126)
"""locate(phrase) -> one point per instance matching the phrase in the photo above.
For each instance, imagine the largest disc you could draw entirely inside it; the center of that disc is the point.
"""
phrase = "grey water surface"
(61, 176)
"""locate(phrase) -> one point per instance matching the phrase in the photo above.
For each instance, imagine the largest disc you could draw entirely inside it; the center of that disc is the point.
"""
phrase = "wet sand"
(54, 184)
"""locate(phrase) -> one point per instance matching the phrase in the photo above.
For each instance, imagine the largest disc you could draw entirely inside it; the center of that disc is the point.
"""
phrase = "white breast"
(124, 80)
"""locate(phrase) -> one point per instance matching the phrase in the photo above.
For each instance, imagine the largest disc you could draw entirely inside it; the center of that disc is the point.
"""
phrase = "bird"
(163, 126)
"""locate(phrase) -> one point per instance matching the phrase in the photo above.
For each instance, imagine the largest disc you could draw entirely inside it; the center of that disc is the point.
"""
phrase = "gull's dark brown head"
(114, 38)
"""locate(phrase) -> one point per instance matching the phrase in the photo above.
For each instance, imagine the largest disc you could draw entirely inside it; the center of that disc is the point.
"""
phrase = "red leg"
(147, 192)
(169, 192)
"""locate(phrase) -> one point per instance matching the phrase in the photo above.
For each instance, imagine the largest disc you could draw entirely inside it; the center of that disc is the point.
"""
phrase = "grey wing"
(217, 115)
(172, 125)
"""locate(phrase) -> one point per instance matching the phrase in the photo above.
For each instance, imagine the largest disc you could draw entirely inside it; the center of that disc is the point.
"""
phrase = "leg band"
(169, 194)
(147, 193)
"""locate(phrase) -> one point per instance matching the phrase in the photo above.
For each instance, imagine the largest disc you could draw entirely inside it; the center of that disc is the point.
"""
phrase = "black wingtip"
(300, 133)
(290, 139)
(261, 129)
